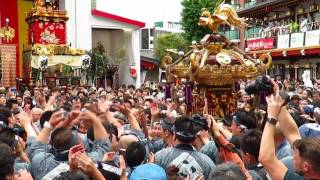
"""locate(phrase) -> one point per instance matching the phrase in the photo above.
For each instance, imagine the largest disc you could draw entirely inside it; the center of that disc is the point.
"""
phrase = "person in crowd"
(250, 147)
(36, 114)
(6, 162)
(183, 155)
(202, 141)
(306, 151)
(2, 100)
(227, 171)
(61, 138)
(311, 129)
(148, 171)
(307, 95)
(283, 148)
(9, 120)
(73, 132)
(9, 137)
(135, 155)
(13, 105)
(166, 136)
(241, 122)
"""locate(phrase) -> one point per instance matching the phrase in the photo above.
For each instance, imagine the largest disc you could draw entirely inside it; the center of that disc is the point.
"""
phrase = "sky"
(148, 11)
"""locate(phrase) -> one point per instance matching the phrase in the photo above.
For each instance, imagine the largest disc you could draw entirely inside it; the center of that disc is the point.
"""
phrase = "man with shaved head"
(36, 113)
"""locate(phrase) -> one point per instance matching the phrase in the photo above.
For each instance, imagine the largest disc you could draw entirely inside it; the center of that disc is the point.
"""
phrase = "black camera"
(262, 84)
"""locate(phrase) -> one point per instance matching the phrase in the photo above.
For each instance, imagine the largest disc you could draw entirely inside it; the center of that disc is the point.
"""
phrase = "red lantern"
(133, 71)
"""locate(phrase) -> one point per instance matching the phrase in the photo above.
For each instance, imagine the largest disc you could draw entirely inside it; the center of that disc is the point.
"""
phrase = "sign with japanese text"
(283, 41)
(297, 40)
(312, 38)
(260, 44)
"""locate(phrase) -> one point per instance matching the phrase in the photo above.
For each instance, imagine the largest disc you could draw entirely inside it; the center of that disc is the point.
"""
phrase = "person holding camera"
(45, 159)
(306, 151)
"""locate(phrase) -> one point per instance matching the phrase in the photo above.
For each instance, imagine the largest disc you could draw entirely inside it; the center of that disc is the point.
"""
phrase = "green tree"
(190, 16)
(100, 59)
(169, 41)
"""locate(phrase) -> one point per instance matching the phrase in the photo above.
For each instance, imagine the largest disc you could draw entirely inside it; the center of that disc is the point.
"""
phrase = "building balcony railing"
(236, 6)
(250, 4)
(280, 38)
(252, 32)
(232, 34)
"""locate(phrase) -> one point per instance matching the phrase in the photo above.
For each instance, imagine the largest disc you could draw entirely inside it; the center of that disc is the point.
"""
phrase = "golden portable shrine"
(47, 55)
(212, 68)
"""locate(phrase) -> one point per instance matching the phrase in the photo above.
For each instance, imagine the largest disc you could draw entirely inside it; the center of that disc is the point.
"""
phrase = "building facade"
(287, 29)
(88, 24)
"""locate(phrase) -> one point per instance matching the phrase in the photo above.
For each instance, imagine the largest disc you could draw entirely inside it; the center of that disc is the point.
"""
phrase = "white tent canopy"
(73, 61)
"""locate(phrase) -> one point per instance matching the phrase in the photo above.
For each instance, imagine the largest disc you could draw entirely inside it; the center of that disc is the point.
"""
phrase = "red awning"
(311, 50)
(147, 64)
(124, 20)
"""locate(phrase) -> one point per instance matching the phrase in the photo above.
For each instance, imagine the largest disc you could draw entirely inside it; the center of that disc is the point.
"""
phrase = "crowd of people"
(137, 133)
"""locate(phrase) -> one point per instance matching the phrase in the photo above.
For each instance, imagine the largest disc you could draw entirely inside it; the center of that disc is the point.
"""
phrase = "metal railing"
(231, 34)
(276, 31)
(279, 30)
(236, 6)
(250, 4)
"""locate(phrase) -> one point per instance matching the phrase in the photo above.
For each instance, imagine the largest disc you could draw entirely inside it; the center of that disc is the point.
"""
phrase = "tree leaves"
(169, 41)
(100, 58)
(190, 17)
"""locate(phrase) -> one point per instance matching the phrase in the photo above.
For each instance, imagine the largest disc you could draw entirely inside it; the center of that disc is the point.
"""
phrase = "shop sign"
(283, 41)
(312, 38)
(260, 44)
(297, 40)
(158, 24)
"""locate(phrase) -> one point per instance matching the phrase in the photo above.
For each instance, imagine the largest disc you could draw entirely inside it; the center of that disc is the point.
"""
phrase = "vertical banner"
(283, 41)
(143, 76)
(8, 60)
(297, 40)
(116, 80)
(312, 38)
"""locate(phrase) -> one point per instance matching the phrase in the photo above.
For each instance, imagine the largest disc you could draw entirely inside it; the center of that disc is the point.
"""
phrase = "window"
(145, 39)
(152, 32)
(93, 4)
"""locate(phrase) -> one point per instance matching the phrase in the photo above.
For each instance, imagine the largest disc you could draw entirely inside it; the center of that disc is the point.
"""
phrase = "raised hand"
(24, 119)
(104, 106)
(56, 119)
(275, 102)
(151, 158)
(109, 156)
(123, 169)
(123, 109)
(154, 109)
(204, 136)
(23, 175)
(85, 164)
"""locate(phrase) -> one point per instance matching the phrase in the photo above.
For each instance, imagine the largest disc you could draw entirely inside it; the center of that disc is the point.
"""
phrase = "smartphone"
(65, 115)
(181, 99)
(77, 148)
(14, 90)
(284, 95)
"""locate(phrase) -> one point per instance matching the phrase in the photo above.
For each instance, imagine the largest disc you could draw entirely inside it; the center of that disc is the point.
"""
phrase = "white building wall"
(79, 24)
(148, 11)
(98, 22)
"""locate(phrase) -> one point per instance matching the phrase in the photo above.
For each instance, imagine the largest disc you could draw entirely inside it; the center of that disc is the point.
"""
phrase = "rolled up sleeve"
(99, 148)
(35, 148)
